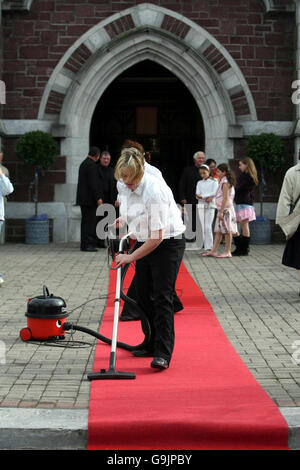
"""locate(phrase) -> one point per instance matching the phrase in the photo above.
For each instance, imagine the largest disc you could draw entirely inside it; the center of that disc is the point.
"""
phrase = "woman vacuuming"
(149, 209)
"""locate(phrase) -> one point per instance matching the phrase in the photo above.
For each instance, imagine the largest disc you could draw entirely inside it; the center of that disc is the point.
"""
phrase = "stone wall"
(261, 43)
(15, 230)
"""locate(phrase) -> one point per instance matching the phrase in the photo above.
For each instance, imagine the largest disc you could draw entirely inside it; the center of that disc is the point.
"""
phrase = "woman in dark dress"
(244, 209)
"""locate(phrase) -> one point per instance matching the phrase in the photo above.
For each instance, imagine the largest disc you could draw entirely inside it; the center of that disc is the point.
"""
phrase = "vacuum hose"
(70, 326)
(144, 322)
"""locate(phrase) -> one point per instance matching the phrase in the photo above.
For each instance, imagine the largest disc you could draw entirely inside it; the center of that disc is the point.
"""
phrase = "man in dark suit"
(187, 188)
(108, 185)
(89, 197)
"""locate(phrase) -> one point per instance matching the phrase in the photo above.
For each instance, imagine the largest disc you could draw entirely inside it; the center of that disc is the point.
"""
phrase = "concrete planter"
(37, 232)
(260, 231)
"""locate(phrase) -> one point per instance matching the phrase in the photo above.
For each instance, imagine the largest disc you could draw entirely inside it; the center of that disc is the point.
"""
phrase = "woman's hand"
(147, 247)
(208, 199)
(220, 216)
(119, 222)
(123, 259)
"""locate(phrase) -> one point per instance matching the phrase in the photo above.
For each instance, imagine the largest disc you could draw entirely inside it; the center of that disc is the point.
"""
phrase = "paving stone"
(254, 298)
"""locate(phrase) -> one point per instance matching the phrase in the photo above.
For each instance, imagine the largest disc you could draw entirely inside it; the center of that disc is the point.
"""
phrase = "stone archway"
(279, 5)
(114, 45)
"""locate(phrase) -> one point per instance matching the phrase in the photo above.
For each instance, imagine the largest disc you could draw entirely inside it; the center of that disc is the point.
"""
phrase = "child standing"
(226, 221)
(244, 198)
(205, 193)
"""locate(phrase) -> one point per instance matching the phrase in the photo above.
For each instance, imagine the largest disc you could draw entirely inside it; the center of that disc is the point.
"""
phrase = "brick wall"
(15, 230)
(21, 175)
(262, 44)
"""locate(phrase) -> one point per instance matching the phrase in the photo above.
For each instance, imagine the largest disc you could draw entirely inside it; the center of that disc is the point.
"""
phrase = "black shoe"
(142, 353)
(89, 248)
(159, 363)
(238, 243)
(246, 243)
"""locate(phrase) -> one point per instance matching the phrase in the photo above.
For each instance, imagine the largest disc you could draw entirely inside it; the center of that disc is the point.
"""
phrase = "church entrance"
(150, 104)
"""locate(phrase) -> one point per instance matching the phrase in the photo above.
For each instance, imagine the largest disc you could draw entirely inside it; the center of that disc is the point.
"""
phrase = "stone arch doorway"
(150, 104)
(96, 59)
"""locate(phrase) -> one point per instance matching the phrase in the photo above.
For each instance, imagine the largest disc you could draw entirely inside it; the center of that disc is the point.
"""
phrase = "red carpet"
(207, 399)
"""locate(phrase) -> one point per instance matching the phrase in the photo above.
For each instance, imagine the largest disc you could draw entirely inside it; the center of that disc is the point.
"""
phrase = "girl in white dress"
(205, 193)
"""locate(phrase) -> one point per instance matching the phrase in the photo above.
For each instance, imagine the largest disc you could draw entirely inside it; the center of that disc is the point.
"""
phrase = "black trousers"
(291, 254)
(133, 312)
(130, 310)
(88, 226)
(156, 276)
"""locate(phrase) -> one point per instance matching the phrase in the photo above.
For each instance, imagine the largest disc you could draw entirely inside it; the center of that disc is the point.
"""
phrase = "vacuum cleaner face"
(46, 315)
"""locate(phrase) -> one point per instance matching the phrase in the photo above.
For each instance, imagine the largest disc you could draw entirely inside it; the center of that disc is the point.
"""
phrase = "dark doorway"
(149, 104)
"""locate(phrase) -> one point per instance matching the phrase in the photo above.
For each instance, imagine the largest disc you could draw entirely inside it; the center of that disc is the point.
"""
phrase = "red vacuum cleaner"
(46, 319)
(46, 315)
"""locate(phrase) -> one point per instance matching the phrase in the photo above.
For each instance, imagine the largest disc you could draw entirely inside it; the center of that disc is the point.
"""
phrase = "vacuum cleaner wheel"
(25, 334)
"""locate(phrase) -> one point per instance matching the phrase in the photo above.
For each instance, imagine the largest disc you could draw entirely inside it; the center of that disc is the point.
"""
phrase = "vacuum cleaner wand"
(112, 373)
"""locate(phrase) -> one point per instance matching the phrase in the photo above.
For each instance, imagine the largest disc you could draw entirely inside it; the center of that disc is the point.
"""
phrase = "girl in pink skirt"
(244, 199)
(226, 220)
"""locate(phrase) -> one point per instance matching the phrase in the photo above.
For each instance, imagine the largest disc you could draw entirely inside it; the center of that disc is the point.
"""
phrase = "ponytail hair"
(224, 167)
(133, 144)
(148, 157)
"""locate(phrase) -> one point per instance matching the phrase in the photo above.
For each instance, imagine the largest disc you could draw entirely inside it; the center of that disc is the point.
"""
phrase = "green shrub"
(37, 148)
(267, 151)
(40, 150)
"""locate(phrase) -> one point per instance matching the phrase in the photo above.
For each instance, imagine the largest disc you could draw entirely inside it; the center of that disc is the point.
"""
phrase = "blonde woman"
(148, 207)
(244, 209)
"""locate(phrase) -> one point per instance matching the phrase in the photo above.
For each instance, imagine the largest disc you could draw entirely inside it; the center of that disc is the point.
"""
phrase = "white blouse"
(207, 188)
(149, 208)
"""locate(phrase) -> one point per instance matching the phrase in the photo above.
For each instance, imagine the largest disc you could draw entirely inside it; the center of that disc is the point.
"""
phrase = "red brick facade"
(261, 43)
